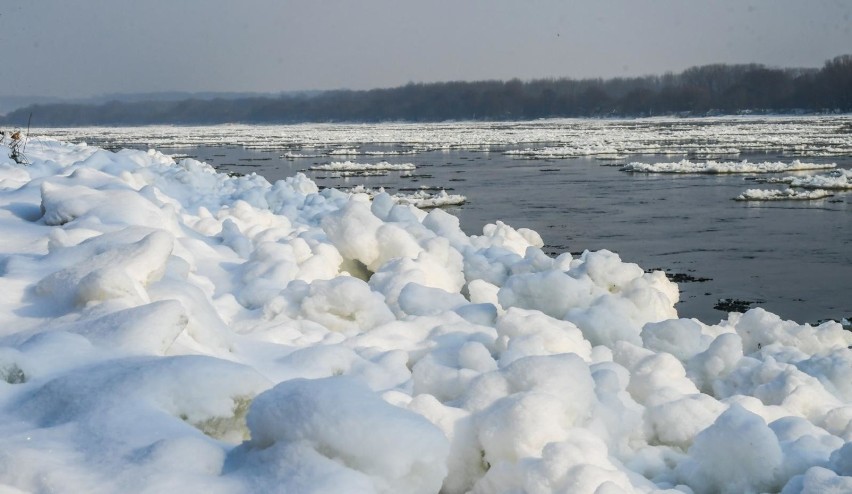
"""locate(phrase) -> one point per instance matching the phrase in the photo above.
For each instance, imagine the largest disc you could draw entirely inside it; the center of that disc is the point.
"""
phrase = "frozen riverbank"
(168, 328)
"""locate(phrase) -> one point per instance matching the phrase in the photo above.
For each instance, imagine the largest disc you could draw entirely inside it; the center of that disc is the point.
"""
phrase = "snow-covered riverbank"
(169, 329)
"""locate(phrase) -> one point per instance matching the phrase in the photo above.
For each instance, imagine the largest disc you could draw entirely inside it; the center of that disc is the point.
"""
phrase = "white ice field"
(166, 328)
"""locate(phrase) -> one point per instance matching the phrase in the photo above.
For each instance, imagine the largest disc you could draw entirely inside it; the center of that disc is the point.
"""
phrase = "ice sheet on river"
(165, 328)
(715, 167)
(706, 138)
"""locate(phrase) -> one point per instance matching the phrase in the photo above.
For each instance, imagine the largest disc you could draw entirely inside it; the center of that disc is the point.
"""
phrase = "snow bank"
(165, 328)
(712, 167)
(782, 195)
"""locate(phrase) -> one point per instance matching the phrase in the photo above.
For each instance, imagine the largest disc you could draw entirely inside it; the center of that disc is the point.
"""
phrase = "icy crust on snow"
(165, 328)
(782, 195)
(349, 166)
(713, 167)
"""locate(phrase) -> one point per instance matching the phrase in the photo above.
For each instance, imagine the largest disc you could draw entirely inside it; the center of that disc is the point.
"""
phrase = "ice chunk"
(422, 300)
(342, 420)
(716, 464)
(680, 337)
(105, 201)
(818, 480)
(551, 292)
(677, 422)
(122, 272)
(343, 304)
(150, 328)
(211, 394)
(543, 408)
(525, 333)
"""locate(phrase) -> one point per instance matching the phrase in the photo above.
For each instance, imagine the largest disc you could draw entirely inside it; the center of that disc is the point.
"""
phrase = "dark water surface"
(793, 258)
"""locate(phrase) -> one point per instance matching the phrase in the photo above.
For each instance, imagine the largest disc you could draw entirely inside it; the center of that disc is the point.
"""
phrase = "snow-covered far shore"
(167, 328)
(715, 167)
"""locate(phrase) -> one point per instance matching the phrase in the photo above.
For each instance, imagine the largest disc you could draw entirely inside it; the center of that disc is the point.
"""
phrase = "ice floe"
(714, 167)
(782, 195)
(565, 152)
(166, 328)
(344, 151)
(840, 179)
(357, 173)
(423, 199)
(349, 166)
(292, 156)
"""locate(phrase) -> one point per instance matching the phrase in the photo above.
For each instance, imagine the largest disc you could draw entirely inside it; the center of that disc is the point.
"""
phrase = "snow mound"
(714, 167)
(165, 328)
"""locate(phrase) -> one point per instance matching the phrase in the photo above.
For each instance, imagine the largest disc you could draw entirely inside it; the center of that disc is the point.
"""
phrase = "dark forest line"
(709, 89)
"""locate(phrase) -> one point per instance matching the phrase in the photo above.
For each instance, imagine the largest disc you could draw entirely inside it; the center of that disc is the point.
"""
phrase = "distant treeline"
(709, 89)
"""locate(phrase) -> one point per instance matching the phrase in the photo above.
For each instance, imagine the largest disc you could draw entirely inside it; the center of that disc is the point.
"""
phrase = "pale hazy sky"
(74, 48)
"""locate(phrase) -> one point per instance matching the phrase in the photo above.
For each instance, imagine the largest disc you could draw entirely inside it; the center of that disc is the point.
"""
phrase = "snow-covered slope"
(164, 328)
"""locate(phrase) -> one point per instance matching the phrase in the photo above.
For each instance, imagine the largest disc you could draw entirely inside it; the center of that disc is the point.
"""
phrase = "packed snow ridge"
(782, 195)
(364, 167)
(714, 167)
(165, 328)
